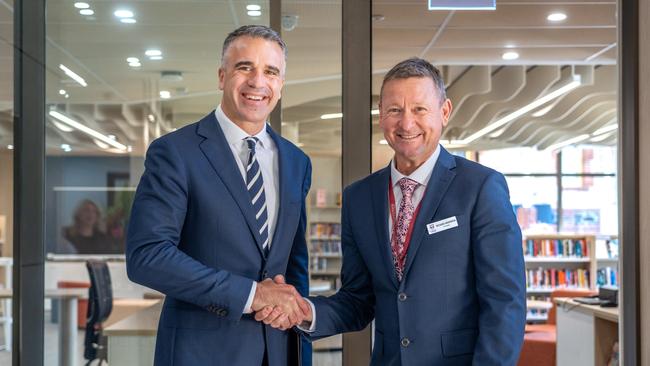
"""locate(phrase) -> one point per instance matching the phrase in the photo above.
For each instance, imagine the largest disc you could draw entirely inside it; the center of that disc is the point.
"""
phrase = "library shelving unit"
(607, 260)
(324, 241)
(556, 261)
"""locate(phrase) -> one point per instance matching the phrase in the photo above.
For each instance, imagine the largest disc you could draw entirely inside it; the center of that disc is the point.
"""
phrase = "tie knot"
(408, 186)
(251, 142)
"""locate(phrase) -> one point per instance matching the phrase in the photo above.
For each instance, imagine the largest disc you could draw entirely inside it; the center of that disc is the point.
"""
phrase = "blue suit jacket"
(462, 299)
(193, 236)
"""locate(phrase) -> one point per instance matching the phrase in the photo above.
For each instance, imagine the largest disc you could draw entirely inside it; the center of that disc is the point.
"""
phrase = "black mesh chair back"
(100, 305)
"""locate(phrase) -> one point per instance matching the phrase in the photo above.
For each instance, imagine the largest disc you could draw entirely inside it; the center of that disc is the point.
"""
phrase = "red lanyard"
(391, 198)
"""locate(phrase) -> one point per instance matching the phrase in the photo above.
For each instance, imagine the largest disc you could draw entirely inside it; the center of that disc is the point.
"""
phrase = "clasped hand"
(279, 304)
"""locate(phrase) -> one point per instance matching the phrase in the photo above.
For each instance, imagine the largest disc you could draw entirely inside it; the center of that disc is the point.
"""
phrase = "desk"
(132, 340)
(585, 333)
(67, 320)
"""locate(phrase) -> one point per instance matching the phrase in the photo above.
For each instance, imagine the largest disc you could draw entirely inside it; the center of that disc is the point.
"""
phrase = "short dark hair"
(416, 68)
(254, 31)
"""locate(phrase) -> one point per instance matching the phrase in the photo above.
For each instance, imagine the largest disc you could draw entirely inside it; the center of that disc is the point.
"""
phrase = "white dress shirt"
(267, 156)
(421, 175)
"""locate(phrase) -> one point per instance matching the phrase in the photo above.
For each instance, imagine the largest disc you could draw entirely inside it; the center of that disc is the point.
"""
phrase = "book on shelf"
(551, 278)
(607, 276)
(567, 248)
(325, 247)
(324, 229)
(320, 264)
(321, 197)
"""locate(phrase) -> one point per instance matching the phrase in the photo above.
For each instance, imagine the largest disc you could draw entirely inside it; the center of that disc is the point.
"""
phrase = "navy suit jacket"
(193, 236)
(462, 298)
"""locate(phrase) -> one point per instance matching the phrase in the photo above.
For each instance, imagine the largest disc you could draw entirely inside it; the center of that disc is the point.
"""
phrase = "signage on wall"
(462, 5)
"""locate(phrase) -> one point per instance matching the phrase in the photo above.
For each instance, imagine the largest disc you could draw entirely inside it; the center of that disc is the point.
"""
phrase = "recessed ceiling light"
(164, 94)
(73, 75)
(510, 45)
(135, 64)
(86, 12)
(556, 17)
(153, 52)
(67, 96)
(155, 58)
(128, 20)
(123, 13)
(10, 147)
(151, 117)
(510, 55)
(132, 59)
(331, 115)
(383, 142)
(81, 5)
(254, 13)
(61, 92)
(253, 7)
(66, 147)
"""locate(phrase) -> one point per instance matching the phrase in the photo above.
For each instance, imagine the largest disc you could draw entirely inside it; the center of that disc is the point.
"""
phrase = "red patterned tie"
(398, 243)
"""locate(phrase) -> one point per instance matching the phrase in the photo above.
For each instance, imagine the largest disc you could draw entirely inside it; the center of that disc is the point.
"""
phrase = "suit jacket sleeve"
(500, 276)
(152, 256)
(352, 308)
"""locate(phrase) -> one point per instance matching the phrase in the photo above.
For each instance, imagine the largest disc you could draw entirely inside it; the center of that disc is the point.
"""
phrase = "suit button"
(405, 342)
(402, 296)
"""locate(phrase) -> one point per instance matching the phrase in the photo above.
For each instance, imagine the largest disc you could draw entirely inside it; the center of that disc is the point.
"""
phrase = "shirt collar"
(234, 134)
(421, 174)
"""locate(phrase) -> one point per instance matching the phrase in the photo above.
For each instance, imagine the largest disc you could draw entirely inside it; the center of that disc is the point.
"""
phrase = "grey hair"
(254, 31)
(416, 68)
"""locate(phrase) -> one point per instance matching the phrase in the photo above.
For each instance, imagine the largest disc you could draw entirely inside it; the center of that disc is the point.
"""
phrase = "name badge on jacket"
(442, 225)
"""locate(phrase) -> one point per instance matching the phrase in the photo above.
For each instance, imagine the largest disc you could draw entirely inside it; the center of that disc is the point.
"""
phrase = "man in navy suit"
(219, 211)
(431, 247)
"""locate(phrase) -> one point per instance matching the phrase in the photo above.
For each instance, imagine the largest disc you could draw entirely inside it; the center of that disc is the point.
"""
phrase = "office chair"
(100, 305)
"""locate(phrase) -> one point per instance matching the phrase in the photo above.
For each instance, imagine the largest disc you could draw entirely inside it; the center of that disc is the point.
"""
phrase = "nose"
(407, 121)
(256, 78)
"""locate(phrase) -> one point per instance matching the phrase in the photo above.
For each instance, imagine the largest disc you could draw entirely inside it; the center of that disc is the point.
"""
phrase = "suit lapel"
(439, 182)
(217, 151)
(284, 180)
(379, 192)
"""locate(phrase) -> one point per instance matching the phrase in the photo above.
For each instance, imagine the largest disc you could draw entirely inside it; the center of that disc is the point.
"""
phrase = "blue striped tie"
(255, 185)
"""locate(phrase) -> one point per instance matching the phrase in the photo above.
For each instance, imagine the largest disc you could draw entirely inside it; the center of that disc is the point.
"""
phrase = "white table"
(67, 320)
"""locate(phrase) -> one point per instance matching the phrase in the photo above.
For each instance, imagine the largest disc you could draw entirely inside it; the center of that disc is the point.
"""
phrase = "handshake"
(280, 305)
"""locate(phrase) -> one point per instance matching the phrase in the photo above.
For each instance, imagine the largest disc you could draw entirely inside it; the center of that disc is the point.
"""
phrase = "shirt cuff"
(249, 302)
(306, 326)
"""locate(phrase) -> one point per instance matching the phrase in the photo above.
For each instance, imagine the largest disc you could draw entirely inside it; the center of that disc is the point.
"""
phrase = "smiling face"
(251, 77)
(412, 118)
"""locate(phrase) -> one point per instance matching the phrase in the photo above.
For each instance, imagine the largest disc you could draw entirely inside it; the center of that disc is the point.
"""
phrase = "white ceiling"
(189, 33)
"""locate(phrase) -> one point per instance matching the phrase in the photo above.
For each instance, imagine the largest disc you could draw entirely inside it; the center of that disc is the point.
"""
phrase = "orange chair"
(82, 304)
(540, 340)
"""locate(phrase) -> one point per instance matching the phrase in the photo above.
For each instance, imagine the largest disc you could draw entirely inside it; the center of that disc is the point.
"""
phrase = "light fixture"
(62, 126)
(151, 117)
(575, 82)
(101, 144)
(61, 92)
(331, 116)
(73, 75)
(383, 142)
(153, 52)
(112, 137)
(605, 129)
(66, 96)
(165, 94)
(556, 17)
(10, 147)
(66, 147)
(543, 111)
(254, 13)
(462, 5)
(129, 148)
(253, 7)
(85, 129)
(135, 64)
(86, 12)
(510, 55)
(81, 5)
(128, 20)
(374, 112)
(568, 142)
(123, 13)
(132, 59)
(155, 58)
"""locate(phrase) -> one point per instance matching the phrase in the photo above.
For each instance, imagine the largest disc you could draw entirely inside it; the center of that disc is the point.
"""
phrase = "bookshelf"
(607, 260)
(3, 234)
(324, 237)
(557, 261)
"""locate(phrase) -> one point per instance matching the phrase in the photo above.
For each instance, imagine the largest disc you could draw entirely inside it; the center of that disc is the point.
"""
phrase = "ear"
(445, 111)
(222, 76)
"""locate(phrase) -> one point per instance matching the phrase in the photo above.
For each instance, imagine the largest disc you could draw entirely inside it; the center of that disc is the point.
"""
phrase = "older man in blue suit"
(220, 210)
(431, 247)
